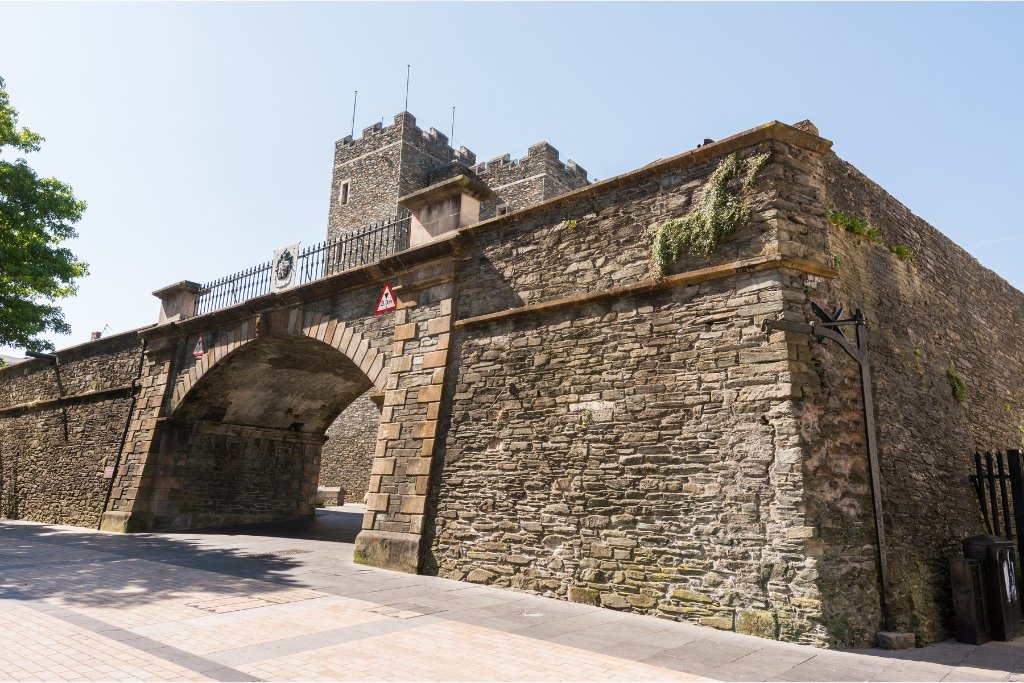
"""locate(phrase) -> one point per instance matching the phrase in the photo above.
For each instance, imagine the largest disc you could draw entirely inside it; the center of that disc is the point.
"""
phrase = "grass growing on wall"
(719, 211)
(957, 384)
(863, 228)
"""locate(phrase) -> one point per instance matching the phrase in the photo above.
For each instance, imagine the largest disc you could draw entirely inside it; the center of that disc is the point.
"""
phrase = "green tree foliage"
(36, 216)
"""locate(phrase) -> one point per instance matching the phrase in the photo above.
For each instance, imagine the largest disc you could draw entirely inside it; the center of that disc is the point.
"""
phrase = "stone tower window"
(501, 210)
(344, 192)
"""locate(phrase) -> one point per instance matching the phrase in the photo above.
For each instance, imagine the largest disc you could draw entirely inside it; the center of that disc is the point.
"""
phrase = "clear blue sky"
(201, 135)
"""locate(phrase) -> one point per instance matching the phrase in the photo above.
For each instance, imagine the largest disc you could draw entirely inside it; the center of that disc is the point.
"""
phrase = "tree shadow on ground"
(83, 567)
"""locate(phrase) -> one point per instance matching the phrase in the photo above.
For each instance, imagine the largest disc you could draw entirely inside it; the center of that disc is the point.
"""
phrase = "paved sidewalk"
(285, 602)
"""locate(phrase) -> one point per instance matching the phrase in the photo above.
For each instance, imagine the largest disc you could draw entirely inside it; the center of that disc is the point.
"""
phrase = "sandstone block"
(377, 502)
(383, 466)
(394, 397)
(425, 430)
(614, 601)
(418, 466)
(429, 394)
(388, 550)
(414, 504)
(435, 359)
(405, 332)
(893, 640)
(439, 325)
(390, 430)
(587, 596)
(480, 576)
(754, 622)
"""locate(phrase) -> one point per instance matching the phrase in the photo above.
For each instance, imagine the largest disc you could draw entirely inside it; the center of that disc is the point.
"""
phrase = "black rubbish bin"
(970, 606)
(1000, 570)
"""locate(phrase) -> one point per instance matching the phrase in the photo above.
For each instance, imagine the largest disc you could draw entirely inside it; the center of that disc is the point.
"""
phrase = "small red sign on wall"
(387, 300)
(108, 472)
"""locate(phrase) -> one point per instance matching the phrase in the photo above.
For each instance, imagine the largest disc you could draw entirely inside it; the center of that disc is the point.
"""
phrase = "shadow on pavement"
(337, 525)
(89, 568)
(996, 655)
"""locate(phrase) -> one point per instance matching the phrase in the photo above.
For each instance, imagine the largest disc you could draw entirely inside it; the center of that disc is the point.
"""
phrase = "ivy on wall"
(719, 211)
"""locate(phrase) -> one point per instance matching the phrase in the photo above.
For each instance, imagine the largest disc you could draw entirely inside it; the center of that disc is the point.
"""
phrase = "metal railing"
(345, 252)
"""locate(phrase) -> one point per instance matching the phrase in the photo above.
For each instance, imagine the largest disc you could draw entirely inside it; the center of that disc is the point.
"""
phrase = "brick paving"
(285, 602)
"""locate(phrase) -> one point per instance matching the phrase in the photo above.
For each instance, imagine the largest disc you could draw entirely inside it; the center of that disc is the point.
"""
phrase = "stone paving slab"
(289, 604)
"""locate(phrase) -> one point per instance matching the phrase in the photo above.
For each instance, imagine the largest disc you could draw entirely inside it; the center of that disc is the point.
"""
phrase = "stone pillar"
(131, 491)
(396, 505)
(444, 207)
(178, 301)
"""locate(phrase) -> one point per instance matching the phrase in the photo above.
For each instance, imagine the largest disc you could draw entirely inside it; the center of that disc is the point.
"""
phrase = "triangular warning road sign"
(387, 300)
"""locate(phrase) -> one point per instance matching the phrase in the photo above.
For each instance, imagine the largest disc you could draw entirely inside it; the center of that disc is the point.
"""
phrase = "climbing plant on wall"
(719, 211)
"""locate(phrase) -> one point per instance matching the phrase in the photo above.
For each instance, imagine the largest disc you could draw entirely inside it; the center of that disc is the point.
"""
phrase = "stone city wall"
(558, 419)
(634, 446)
(60, 426)
(933, 314)
(348, 453)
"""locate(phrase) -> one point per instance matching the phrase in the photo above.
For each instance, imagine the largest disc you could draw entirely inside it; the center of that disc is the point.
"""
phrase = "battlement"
(387, 162)
(378, 129)
(432, 141)
(541, 151)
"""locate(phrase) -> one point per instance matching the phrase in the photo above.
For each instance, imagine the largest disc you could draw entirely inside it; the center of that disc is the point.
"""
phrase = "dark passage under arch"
(244, 445)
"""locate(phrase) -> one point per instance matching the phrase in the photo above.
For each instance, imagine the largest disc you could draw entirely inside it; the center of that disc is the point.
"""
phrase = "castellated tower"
(372, 174)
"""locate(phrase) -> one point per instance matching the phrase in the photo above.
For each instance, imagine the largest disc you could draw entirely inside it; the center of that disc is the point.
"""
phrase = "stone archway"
(240, 435)
(196, 406)
(295, 322)
(246, 440)
(243, 444)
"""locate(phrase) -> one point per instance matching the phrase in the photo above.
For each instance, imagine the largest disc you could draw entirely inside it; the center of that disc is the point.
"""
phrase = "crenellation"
(542, 150)
(575, 168)
(389, 162)
(502, 160)
(375, 128)
(434, 135)
(465, 156)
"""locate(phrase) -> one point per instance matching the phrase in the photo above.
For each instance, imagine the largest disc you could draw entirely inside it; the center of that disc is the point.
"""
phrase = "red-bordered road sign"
(387, 300)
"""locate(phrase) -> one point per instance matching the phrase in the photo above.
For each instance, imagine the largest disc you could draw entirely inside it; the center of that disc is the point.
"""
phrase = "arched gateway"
(230, 420)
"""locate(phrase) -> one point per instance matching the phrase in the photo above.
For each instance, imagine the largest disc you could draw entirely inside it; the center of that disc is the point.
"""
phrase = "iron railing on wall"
(345, 252)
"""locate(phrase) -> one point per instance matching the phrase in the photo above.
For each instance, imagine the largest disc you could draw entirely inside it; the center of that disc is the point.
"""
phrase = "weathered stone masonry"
(348, 452)
(558, 420)
(61, 426)
(939, 311)
(382, 166)
(624, 441)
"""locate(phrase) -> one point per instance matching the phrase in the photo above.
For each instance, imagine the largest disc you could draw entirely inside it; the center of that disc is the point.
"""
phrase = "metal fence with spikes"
(345, 252)
(998, 482)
